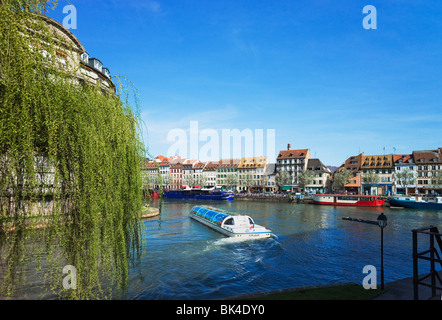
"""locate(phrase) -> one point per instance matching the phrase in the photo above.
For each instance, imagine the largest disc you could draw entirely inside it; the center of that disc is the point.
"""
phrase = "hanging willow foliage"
(70, 155)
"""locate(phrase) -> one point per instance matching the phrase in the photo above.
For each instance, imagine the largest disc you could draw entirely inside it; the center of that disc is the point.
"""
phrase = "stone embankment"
(272, 198)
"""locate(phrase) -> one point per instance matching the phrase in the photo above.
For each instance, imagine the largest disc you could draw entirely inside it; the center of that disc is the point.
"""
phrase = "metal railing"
(431, 255)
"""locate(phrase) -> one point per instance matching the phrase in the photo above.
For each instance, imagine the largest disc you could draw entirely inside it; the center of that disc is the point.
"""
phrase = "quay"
(400, 290)
(403, 290)
(272, 197)
(262, 197)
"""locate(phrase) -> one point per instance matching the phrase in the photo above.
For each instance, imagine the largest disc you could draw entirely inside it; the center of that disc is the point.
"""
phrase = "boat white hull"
(256, 233)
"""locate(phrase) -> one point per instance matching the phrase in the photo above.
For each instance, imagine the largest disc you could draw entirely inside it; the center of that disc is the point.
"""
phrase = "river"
(313, 245)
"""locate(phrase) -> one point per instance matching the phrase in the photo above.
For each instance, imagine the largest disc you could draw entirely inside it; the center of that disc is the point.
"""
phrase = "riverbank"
(262, 197)
(273, 198)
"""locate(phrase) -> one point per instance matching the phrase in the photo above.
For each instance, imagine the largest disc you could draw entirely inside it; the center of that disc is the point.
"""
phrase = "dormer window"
(84, 57)
(96, 64)
(106, 72)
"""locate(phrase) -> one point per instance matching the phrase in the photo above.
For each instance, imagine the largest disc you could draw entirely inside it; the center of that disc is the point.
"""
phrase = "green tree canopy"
(340, 178)
(405, 177)
(283, 178)
(305, 178)
(370, 177)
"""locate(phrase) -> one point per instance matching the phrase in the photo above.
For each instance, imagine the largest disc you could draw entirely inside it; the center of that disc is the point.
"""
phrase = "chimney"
(288, 147)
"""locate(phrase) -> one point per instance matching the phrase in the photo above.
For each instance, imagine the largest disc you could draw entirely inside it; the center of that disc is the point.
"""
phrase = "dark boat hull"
(199, 195)
(415, 204)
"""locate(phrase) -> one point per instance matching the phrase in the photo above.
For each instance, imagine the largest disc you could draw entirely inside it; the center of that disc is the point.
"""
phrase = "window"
(229, 222)
(84, 57)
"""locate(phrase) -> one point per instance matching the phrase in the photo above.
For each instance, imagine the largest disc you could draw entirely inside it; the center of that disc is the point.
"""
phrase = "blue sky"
(306, 68)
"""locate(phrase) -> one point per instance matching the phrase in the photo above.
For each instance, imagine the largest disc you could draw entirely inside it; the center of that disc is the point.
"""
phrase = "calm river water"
(312, 246)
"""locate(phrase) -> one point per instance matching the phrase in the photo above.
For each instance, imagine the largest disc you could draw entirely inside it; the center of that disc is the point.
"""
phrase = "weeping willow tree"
(70, 155)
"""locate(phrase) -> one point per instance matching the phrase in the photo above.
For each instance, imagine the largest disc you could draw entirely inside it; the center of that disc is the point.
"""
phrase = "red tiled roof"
(428, 156)
(229, 163)
(150, 164)
(162, 158)
(199, 165)
(404, 157)
(292, 154)
(212, 165)
(352, 163)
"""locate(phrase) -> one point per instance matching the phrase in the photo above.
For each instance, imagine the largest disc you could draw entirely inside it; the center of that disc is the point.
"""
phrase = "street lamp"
(382, 220)
(382, 223)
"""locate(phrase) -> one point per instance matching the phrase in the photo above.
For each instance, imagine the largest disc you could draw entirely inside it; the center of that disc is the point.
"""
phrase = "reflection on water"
(312, 245)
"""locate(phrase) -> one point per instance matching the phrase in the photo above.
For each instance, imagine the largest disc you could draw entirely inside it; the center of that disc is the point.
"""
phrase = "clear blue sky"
(306, 68)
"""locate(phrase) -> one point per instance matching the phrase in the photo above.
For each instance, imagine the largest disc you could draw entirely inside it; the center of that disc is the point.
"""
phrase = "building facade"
(251, 174)
(429, 170)
(294, 162)
(270, 178)
(176, 173)
(381, 167)
(209, 173)
(227, 174)
(322, 177)
(402, 164)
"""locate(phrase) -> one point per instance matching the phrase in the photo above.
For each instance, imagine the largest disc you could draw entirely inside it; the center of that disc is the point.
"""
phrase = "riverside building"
(293, 161)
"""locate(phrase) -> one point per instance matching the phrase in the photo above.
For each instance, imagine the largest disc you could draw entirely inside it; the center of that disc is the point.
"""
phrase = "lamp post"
(382, 223)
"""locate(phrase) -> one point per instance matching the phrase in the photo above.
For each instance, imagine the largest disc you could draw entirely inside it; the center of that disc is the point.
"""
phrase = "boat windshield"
(210, 215)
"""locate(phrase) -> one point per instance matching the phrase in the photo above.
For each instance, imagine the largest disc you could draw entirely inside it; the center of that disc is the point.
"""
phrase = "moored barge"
(199, 194)
(348, 200)
(429, 202)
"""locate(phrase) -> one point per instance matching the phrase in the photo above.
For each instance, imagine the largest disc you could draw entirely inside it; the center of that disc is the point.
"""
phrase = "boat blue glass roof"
(211, 215)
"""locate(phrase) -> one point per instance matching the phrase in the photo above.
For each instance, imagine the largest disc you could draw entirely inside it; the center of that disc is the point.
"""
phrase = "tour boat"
(429, 202)
(199, 194)
(348, 200)
(237, 226)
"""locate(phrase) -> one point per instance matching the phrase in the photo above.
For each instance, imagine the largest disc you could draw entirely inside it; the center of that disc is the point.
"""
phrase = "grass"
(338, 292)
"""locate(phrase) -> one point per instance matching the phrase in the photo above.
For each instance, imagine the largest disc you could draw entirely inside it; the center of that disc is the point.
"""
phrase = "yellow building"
(251, 173)
(383, 167)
